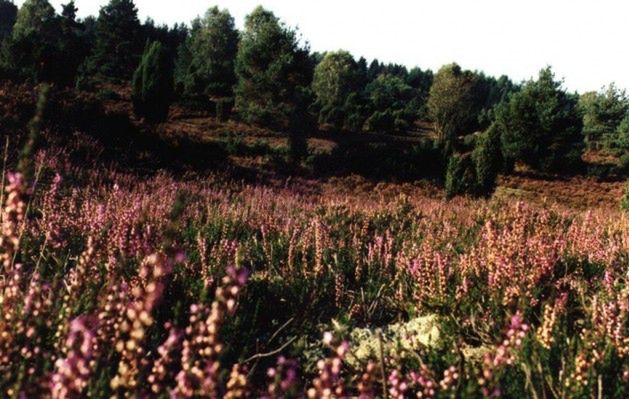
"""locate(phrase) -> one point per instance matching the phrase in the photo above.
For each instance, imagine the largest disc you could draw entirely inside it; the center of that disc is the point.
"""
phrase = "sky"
(584, 41)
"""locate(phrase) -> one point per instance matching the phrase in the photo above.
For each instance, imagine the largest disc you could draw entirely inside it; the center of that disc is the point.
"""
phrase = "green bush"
(460, 175)
(153, 84)
(381, 121)
(487, 160)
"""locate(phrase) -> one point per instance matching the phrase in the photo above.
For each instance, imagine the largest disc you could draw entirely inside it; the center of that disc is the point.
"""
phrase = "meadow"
(213, 209)
(117, 284)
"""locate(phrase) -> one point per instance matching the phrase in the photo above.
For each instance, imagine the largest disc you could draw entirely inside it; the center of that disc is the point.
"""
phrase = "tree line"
(267, 75)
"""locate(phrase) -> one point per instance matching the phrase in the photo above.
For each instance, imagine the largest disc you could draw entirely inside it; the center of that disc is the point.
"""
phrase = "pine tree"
(118, 40)
(541, 125)
(8, 14)
(153, 84)
(211, 49)
(32, 50)
(270, 66)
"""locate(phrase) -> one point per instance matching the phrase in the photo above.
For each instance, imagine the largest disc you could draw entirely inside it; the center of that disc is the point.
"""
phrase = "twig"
(273, 352)
(282, 327)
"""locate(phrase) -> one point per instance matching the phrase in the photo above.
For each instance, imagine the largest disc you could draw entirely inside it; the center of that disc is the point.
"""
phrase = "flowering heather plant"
(97, 299)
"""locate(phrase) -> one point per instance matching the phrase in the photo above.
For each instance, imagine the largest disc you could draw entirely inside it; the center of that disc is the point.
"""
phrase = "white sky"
(585, 41)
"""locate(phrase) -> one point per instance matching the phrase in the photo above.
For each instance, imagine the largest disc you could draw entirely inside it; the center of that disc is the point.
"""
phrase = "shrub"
(153, 84)
(381, 121)
(487, 160)
(460, 175)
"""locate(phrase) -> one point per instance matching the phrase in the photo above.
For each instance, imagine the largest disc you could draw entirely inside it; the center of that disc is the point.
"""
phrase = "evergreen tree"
(32, 50)
(72, 46)
(118, 40)
(8, 14)
(375, 70)
(210, 56)
(271, 67)
(390, 99)
(302, 123)
(153, 84)
(621, 138)
(541, 125)
(171, 38)
(487, 158)
(420, 81)
(602, 115)
(460, 175)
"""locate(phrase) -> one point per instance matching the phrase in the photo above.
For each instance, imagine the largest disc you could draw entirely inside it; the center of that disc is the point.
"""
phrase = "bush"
(381, 121)
(460, 176)
(153, 84)
(487, 160)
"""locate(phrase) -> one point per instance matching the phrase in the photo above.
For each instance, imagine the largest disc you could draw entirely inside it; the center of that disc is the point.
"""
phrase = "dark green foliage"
(271, 66)
(487, 158)
(620, 140)
(381, 121)
(460, 175)
(302, 123)
(118, 40)
(224, 108)
(541, 126)
(8, 14)
(171, 38)
(420, 81)
(336, 78)
(603, 114)
(153, 84)
(490, 93)
(391, 101)
(206, 59)
(32, 50)
(356, 111)
(453, 103)
(74, 45)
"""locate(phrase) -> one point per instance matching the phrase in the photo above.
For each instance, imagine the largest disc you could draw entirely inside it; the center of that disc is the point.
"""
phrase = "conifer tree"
(271, 67)
(118, 40)
(153, 84)
(8, 14)
(211, 49)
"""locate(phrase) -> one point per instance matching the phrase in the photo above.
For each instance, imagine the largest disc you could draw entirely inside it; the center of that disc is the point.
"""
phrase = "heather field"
(201, 202)
(116, 285)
